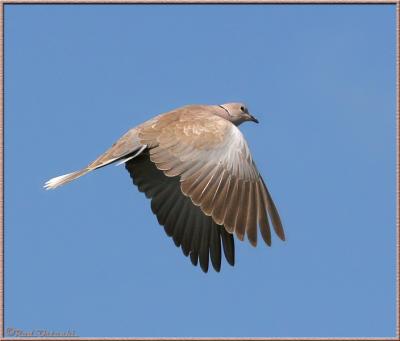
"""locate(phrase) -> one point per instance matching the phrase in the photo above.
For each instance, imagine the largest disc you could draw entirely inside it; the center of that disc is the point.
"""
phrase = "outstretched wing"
(197, 234)
(215, 168)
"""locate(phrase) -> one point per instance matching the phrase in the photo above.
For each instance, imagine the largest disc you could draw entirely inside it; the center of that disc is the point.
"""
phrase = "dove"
(195, 166)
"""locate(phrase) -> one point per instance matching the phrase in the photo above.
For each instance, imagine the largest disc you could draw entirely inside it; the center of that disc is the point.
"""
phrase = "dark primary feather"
(215, 247)
(197, 234)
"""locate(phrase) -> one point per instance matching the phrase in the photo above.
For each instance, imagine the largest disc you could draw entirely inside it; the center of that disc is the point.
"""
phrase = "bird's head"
(236, 113)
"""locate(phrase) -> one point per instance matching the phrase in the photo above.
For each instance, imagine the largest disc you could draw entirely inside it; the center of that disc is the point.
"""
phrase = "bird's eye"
(243, 108)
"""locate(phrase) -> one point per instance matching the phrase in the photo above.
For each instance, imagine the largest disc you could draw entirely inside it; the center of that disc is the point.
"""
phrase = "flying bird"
(195, 166)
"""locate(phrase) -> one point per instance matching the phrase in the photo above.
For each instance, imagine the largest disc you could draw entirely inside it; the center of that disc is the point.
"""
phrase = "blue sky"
(91, 257)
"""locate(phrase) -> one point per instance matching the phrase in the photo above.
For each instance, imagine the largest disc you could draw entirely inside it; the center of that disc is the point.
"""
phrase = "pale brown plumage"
(195, 166)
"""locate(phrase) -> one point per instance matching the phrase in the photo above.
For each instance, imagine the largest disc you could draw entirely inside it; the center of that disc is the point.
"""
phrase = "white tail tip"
(55, 182)
(63, 179)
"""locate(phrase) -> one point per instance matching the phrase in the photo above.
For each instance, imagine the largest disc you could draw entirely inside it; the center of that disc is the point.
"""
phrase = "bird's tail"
(125, 149)
(64, 179)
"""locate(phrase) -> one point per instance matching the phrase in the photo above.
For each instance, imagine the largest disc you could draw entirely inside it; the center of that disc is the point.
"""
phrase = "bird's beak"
(252, 118)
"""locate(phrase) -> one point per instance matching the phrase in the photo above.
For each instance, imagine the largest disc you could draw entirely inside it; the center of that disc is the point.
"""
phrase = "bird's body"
(195, 166)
